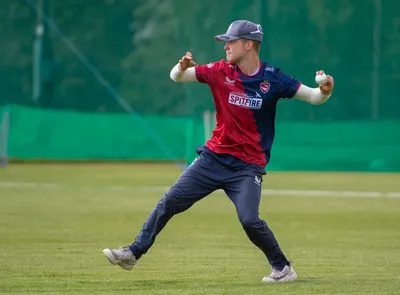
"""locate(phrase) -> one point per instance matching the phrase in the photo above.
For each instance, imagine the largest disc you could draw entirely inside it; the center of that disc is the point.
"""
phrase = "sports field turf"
(56, 219)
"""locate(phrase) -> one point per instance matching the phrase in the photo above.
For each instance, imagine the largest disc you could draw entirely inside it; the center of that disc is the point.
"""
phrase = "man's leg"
(194, 184)
(244, 190)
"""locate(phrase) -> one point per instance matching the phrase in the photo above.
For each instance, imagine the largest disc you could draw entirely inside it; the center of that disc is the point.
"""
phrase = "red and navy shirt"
(245, 108)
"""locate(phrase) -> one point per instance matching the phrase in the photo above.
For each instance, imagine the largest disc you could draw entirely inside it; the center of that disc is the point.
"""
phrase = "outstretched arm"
(183, 76)
(316, 95)
(184, 70)
(311, 95)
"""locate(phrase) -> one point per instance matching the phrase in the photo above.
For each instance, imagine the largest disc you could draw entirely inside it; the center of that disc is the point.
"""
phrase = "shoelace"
(125, 253)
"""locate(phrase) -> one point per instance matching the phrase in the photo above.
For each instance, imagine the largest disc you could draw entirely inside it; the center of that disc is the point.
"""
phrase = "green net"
(69, 135)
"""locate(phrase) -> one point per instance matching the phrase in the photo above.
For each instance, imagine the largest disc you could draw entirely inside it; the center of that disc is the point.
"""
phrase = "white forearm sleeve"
(183, 76)
(311, 95)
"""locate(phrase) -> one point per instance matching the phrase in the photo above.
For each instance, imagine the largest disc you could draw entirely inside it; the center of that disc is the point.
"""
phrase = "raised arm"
(184, 70)
(317, 95)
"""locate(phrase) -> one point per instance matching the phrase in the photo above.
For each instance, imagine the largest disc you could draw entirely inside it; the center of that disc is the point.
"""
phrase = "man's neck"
(249, 66)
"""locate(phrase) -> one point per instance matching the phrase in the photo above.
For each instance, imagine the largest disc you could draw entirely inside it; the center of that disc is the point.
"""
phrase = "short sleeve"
(206, 73)
(288, 85)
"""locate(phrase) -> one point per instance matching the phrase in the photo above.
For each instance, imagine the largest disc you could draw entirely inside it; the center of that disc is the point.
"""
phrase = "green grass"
(56, 219)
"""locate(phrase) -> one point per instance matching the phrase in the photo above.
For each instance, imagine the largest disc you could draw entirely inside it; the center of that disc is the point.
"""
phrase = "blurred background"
(89, 80)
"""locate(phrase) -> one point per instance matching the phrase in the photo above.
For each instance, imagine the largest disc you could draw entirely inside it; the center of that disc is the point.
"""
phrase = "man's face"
(236, 50)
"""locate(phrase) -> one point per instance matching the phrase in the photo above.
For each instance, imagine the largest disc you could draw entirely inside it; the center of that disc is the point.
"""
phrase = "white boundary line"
(163, 189)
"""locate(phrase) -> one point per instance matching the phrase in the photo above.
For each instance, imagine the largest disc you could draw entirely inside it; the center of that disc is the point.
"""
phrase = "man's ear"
(249, 44)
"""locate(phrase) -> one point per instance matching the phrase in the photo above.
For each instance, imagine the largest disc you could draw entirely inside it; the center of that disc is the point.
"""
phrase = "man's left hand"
(326, 88)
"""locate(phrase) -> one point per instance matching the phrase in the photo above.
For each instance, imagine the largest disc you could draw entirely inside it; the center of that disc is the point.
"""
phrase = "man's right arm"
(184, 70)
(183, 76)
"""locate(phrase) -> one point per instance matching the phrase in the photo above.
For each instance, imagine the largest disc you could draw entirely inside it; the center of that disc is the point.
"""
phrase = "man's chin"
(231, 60)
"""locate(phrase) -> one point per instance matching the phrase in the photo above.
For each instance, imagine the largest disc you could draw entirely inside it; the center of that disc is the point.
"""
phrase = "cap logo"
(259, 30)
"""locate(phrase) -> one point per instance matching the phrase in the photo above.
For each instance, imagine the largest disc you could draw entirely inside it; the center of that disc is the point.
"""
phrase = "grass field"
(56, 219)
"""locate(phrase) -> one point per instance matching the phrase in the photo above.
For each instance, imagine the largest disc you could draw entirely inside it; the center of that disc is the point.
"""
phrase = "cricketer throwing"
(245, 90)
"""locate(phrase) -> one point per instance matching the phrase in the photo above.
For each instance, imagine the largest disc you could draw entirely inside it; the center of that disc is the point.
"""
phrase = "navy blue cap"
(241, 29)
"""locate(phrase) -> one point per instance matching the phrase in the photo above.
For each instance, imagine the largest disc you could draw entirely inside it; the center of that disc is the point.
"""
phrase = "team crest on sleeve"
(265, 86)
(210, 65)
(269, 69)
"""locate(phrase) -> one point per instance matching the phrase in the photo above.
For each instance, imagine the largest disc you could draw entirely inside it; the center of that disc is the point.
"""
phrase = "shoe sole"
(109, 255)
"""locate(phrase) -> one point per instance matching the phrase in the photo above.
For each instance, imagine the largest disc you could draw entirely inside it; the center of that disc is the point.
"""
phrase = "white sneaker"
(285, 275)
(122, 257)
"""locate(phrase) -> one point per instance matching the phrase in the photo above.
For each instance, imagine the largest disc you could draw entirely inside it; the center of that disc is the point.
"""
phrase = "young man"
(245, 91)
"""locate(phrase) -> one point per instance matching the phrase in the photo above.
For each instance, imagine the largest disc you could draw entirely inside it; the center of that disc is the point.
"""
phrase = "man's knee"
(172, 203)
(251, 222)
(168, 201)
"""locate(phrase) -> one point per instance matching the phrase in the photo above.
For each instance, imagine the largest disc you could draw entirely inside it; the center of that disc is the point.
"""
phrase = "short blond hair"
(256, 45)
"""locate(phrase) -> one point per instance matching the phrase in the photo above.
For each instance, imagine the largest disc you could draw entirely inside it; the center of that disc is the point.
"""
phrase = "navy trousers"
(205, 175)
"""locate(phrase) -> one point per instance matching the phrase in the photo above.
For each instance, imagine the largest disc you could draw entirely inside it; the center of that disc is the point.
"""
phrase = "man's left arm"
(317, 95)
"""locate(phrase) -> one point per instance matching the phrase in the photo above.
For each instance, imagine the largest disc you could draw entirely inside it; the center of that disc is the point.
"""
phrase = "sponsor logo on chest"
(245, 102)
(229, 81)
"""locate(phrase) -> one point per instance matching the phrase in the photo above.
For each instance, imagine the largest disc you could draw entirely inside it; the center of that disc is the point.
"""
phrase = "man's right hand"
(186, 62)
